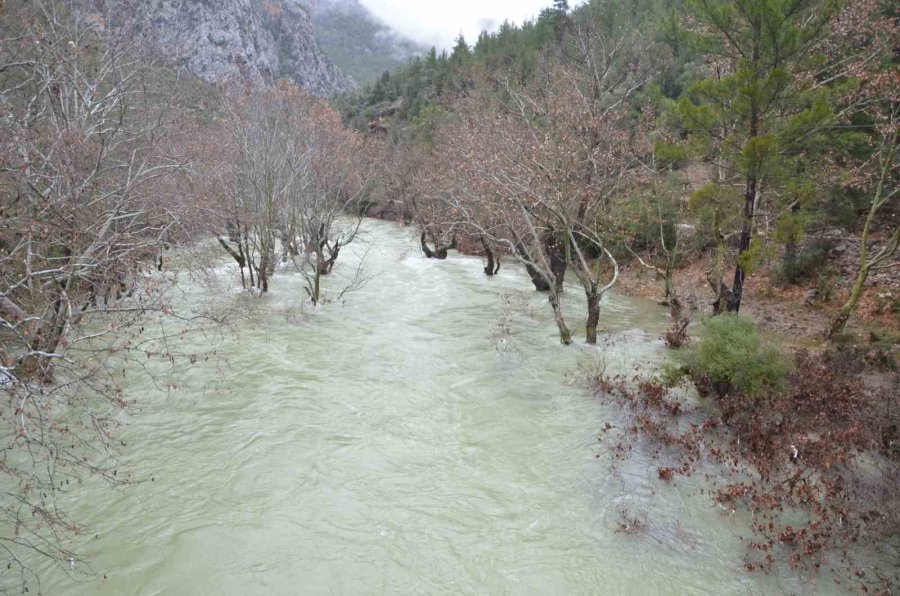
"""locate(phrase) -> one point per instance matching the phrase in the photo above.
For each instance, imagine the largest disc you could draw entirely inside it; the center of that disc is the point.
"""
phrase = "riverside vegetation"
(754, 142)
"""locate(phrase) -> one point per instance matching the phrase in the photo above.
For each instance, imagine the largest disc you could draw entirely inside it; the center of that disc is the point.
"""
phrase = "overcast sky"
(438, 22)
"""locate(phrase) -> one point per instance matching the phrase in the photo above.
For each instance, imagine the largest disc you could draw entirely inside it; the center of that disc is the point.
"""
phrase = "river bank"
(800, 315)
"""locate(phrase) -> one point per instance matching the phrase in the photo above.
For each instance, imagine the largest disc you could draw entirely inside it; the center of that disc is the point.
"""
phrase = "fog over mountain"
(439, 23)
(327, 46)
(360, 43)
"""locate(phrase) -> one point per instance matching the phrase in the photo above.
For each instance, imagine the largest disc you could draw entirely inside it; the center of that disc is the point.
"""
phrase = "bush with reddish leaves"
(677, 335)
(818, 445)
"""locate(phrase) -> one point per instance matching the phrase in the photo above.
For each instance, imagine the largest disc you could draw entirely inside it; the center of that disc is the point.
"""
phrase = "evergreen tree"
(759, 112)
(461, 51)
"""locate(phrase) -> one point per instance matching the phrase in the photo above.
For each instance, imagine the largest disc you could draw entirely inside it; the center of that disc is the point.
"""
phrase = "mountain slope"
(357, 41)
(269, 39)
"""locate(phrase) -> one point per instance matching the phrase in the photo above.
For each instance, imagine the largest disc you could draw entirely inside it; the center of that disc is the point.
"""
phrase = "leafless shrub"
(91, 177)
(630, 522)
(677, 336)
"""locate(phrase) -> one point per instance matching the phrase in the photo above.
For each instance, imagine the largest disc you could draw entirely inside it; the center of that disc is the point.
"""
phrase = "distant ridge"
(357, 41)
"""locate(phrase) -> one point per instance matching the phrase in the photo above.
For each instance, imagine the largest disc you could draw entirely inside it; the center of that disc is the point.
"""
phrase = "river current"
(427, 434)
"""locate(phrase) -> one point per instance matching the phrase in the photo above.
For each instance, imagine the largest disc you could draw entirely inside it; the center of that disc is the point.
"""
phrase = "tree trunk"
(264, 270)
(425, 248)
(752, 187)
(317, 289)
(271, 261)
(328, 264)
(559, 261)
(540, 284)
(565, 336)
(289, 244)
(865, 262)
(233, 227)
(733, 303)
(671, 297)
(39, 367)
(489, 269)
(723, 299)
(249, 255)
(715, 275)
(438, 252)
(734, 296)
(262, 280)
(237, 255)
(849, 307)
(593, 319)
(321, 262)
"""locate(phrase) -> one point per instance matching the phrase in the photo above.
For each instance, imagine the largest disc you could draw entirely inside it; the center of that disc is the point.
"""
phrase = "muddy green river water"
(426, 435)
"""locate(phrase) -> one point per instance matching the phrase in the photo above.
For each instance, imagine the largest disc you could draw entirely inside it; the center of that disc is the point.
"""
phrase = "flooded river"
(426, 435)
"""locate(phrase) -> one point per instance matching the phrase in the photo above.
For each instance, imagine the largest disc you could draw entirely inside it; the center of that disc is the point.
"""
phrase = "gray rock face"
(222, 39)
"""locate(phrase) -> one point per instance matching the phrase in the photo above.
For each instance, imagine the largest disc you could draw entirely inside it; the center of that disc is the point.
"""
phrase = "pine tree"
(461, 51)
(759, 111)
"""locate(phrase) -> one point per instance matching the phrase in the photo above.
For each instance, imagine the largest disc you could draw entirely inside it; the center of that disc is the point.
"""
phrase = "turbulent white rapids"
(427, 435)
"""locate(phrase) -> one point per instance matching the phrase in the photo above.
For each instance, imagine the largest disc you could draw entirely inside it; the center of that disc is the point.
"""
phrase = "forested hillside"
(753, 134)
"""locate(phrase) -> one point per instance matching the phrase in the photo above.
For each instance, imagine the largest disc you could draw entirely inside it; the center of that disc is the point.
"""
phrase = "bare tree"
(534, 168)
(265, 149)
(483, 181)
(88, 197)
(885, 164)
(298, 179)
(333, 168)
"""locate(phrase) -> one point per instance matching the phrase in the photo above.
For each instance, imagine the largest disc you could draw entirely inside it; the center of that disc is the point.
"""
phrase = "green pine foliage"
(731, 358)
(515, 52)
(405, 92)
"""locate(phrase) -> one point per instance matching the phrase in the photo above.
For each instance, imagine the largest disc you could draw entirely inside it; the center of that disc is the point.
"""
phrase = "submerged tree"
(334, 170)
(90, 194)
(534, 171)
(259, 125)
(297, 178)
(534, 167)
(484, 180)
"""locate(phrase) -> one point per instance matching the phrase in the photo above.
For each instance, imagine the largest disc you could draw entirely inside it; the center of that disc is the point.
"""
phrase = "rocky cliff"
(220, 39)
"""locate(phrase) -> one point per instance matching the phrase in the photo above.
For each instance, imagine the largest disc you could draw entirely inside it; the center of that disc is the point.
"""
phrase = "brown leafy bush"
(822, 447)
(677, 336)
